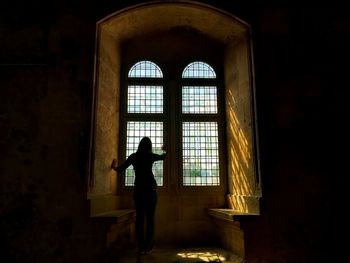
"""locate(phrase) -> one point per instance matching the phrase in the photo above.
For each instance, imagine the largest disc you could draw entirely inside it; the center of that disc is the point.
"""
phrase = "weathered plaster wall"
(106, 114)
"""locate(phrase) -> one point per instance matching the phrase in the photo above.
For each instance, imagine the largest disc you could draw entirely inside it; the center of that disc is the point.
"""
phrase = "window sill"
(120, 215)
(227, 214)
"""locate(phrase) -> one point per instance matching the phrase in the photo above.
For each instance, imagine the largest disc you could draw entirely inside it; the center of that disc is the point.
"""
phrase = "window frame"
(219, 117)
(174, 165)
(125, 116)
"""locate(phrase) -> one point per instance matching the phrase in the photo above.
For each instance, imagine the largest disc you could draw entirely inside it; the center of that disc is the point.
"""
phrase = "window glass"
(145, 99)
(200, 142)
(199, 70)
(145, 69)
(136, 130)
(200, 154)
(199, 99)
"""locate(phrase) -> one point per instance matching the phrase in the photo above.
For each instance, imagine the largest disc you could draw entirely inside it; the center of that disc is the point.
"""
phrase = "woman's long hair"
(145, 146)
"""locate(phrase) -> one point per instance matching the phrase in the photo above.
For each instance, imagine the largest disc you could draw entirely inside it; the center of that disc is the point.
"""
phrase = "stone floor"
(188, 255)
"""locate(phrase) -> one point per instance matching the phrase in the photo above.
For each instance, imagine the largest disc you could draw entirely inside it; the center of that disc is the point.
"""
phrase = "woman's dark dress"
(145, 195)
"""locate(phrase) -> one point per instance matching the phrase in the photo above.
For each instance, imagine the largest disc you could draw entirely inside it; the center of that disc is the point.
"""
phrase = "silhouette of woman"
(145, 195)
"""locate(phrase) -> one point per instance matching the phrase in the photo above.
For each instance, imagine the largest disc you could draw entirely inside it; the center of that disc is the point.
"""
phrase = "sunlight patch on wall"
(239, 137)
(243, 182)
(239, 154)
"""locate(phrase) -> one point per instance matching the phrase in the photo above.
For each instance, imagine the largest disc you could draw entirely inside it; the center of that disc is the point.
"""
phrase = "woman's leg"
(150, 216)
(140, 220)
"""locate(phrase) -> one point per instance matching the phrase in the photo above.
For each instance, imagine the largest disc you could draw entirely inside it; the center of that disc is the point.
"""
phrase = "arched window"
(145, 98)
(194, 122)
(200, 136)
(199, 70)
(145, 69)
(186, 84)
(143, 115)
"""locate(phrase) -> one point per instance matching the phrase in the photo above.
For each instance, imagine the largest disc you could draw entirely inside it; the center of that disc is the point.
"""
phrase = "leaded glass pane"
(145, 99)
(199, 70)
(145, 69)
(199, 99)
(200, 154)
(136, 130)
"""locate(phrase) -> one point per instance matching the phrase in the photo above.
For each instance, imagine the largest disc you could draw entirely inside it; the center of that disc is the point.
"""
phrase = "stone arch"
(244, 187)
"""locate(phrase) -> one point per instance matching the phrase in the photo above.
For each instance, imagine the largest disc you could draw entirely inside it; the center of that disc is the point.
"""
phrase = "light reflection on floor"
(203, 256)
(192, 255)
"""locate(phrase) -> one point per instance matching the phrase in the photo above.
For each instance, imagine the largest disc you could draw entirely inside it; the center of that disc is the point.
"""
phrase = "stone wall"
(46, 57)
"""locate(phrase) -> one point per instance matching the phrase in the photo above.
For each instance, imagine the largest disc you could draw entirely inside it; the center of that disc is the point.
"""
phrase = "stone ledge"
(120, 215)
(227, 214)
(102, 203)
